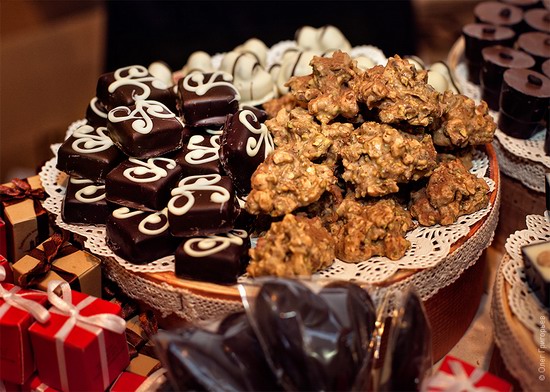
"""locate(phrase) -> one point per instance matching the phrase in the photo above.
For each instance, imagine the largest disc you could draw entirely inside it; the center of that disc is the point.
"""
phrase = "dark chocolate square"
(207, 98)
(536, 258)
(138, 236)
(129, 84)
(143, 184)
(89, 152)
(220, 258)
(84, 202)
(200, 154)
(202, 205)
(146, 129)
(96, 113)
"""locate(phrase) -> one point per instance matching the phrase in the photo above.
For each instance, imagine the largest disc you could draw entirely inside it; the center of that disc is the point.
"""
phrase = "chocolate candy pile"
(293, 337)
(163, 166)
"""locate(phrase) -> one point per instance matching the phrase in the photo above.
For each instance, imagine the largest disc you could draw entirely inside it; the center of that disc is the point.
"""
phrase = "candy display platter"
(523, 160)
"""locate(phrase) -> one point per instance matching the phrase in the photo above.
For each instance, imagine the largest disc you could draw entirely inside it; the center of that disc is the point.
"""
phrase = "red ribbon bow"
(20, 190)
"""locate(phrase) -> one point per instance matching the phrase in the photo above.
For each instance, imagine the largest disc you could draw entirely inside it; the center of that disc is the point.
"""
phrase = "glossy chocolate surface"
(220, 258)
(207, 98)
(96, 114)
(202, 205)
(497, 13)
(139, 237)
(84, 202)
(245, 143)
(143, 184)
(535, 43)
(145, 130)
(200, 153)
(89, 153)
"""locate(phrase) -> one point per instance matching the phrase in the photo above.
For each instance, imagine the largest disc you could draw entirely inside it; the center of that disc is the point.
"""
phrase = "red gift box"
(18, 310)
(457, 375)
(6, 275)
(82, 346)
(127, 382)
(35, 384)
(3, 242)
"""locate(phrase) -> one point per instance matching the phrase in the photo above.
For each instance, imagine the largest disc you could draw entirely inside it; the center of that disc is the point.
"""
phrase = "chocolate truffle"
(219, 258)
(478, 36)
(538, 19)
(202, 205)
(499, 14)
(89, 152)
(139, 237)
(129, 84)
(96, 114)
(145, 130)
(143, 184)
(207, 98)
(84, 202)
(496, 60)
(536, 258)
(537, 44)
(244, 144)
(524, 102)
(200, 154)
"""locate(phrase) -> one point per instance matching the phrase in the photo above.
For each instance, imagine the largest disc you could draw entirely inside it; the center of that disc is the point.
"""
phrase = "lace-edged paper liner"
(429, 245)
(521, 154)
(523, 302)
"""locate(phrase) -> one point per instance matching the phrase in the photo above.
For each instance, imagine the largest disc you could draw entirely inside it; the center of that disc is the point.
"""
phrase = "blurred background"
(52, 52)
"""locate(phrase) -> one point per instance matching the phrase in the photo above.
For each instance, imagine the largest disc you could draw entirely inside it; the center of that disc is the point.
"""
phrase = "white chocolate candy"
(442, 69)
(364, 63)
(255, 47)
(161, 71)
(198, 61)
(322, 39)
(417, 62)
(294, 64)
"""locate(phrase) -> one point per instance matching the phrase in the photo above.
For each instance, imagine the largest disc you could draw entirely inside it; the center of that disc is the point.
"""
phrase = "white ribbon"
(12, 299)
(94, 324)
(153, 382)
(458, 381)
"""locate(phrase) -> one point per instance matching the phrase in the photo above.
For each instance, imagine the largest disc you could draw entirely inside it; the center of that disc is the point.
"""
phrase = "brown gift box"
(143, 365)
(26, 220)
(79, 268)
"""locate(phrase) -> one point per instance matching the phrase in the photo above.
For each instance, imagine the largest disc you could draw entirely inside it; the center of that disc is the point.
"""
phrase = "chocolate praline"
(499, 14)
(537, 44)
(84, 202)
(200, 153)
(496, 60)
(96, 113)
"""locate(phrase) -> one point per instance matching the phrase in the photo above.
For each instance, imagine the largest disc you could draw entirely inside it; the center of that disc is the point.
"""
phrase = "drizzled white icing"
(153, 219)
(253, 145)
(93, 105)
(204, 247)
(90, 140)
(214, 131)
(138, 76)
(199, 154)
(82, 195)
(142, 115)
(189, 185)
(136, 174)
(201, 88)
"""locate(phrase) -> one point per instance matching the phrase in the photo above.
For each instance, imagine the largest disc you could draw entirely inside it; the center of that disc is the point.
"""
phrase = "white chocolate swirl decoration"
(142, 115)
(148, 171)
(137, 76)
(189, 185)
(200, 88)
(198, 154)
(95, 109)
(90, 140)
(86, 194)
(154, 219)
(253, 145)
(208, 246)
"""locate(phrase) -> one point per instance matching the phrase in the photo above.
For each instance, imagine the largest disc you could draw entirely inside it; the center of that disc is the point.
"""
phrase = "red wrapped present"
(83, 346)
(127, 382)
(6, 275)
(27, 222)
(18, 310)
(457, 375)
(6, 386)
(35, 384)
(3, 241)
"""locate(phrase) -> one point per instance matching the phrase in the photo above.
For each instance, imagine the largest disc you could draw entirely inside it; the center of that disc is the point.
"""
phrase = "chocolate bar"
(217, 258)
(536, 258)
(245, 143)
(84, 202)
(89, 152)
(200, 155)
(206, 98)
(143, 184)
(146, 129)
(202, 205)
(129, 84)
(138, 236)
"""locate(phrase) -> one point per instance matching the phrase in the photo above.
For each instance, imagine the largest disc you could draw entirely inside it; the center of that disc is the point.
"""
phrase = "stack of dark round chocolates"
(164, 166)
(505, 51)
